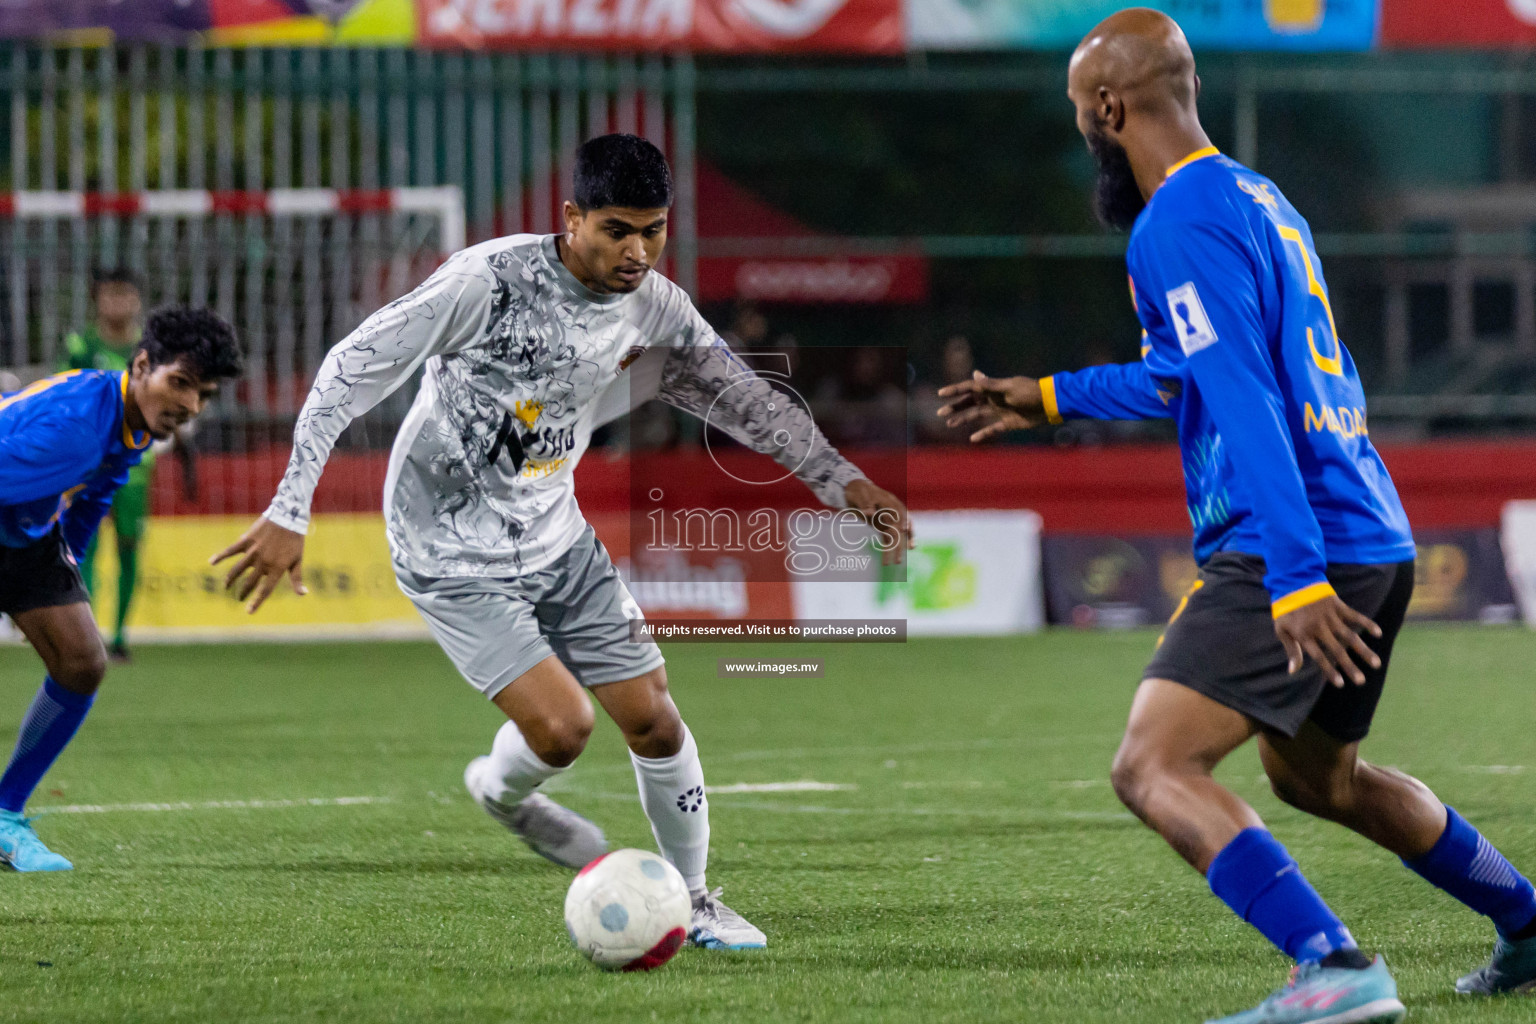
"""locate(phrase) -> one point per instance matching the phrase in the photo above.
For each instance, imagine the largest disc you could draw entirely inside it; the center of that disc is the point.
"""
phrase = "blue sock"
(51, 722)
(1257, 878)
(1467, 866)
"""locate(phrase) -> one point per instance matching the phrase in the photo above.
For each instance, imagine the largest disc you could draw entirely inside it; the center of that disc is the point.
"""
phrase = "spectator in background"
(864, 404)
(751, 337)
(109, 344)
(749, 329)
(956, 361)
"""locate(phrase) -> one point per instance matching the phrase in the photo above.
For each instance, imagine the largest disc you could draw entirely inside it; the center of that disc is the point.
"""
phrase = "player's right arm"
(992, 406)
(448, 311)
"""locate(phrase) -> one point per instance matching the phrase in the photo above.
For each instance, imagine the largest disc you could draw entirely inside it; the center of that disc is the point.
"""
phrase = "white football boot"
(717, 926)
(553, 832)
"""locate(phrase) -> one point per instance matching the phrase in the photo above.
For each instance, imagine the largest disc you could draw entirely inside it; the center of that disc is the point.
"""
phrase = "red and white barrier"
(446, 201)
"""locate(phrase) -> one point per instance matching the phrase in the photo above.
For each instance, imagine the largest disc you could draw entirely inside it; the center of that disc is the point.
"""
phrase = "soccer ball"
(628, 911)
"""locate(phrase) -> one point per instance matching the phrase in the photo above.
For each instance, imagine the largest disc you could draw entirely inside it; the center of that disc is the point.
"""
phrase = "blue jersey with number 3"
(1241, 350)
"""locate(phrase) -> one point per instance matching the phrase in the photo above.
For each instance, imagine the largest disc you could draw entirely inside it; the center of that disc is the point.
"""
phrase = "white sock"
(513, 770)
(672, 793)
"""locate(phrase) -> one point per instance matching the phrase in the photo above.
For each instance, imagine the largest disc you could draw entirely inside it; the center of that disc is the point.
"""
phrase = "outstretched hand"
(1328, 632)
(887, 514)
(271, 552)
(993, 405)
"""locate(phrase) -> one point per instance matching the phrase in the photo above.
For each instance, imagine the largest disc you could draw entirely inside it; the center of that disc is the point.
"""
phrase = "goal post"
(264, 259)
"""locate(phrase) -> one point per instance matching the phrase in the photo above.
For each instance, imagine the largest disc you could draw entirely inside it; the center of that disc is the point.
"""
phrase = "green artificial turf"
(978, 868)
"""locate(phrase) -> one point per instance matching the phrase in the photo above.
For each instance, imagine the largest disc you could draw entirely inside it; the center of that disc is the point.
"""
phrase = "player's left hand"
(990, 406)
(887, 514)
(1328, 632)
(270, 553)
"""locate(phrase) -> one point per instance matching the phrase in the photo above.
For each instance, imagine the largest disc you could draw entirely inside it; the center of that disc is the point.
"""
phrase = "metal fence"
(504, 128)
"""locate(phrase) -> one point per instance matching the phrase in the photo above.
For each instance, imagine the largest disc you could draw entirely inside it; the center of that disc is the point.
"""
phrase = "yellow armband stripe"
(1048, 399)
(1300, 598)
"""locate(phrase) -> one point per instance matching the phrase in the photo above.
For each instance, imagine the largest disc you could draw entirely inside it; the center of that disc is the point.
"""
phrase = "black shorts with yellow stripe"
(1221, 642)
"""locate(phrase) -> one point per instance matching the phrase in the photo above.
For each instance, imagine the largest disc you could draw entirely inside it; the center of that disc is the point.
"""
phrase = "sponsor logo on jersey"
(1346, 421)
(528, 412)
(1190, 323)
(1260, 193)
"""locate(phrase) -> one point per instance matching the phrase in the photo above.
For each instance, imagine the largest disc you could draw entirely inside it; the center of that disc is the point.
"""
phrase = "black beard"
(1117, 199)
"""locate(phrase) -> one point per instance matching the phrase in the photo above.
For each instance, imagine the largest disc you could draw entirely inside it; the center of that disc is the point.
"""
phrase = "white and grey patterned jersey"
(518, 357)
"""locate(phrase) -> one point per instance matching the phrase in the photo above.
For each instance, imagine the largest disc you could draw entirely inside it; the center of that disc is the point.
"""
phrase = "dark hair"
(113, 275)
(198, 336)
(621, 170)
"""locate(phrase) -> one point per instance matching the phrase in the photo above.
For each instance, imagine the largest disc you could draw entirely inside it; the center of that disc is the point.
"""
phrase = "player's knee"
(1131, 776)
(82, 670)
(658, 734)
(1328, 797)
(558, 739)
(1289, 790)
(1141, 768)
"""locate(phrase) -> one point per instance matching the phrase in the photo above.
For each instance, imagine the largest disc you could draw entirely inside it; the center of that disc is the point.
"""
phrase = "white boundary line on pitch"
(889, 749)
(1022, 814)
(799, 786)
(216, 805)
(780, 787)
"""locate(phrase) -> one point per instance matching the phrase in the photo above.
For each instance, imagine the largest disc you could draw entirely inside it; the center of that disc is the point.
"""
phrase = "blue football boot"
(20, 848)
(1329, 995)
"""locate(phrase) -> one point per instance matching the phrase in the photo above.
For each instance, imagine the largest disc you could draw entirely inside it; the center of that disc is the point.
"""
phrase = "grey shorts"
(577, 609)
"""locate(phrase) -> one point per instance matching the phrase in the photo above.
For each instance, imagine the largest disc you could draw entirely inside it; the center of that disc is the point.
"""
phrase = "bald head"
(1132, 80)
(1139, 55)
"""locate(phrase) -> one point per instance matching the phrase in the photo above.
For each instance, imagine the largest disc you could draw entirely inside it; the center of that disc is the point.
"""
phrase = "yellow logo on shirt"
(1342, 420)
(537, 468)
(1260, 193)
(528, 412)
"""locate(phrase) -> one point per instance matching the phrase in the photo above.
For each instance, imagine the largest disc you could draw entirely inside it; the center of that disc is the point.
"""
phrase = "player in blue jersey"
(67, 444)
(1306, 555)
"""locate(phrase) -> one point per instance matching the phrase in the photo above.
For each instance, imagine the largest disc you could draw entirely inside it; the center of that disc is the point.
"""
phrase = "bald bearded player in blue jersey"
(1306, 554)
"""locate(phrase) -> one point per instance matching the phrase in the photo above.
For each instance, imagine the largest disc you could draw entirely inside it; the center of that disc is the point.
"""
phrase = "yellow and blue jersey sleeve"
(1118, 391)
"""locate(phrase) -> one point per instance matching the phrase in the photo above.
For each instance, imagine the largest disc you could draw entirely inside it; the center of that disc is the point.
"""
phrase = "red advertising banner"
(726, 26)
(1426, 23)
(822, 273)
(835, 279)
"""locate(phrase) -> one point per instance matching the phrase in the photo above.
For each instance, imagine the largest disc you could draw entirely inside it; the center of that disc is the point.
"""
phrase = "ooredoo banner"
(1426, 23)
